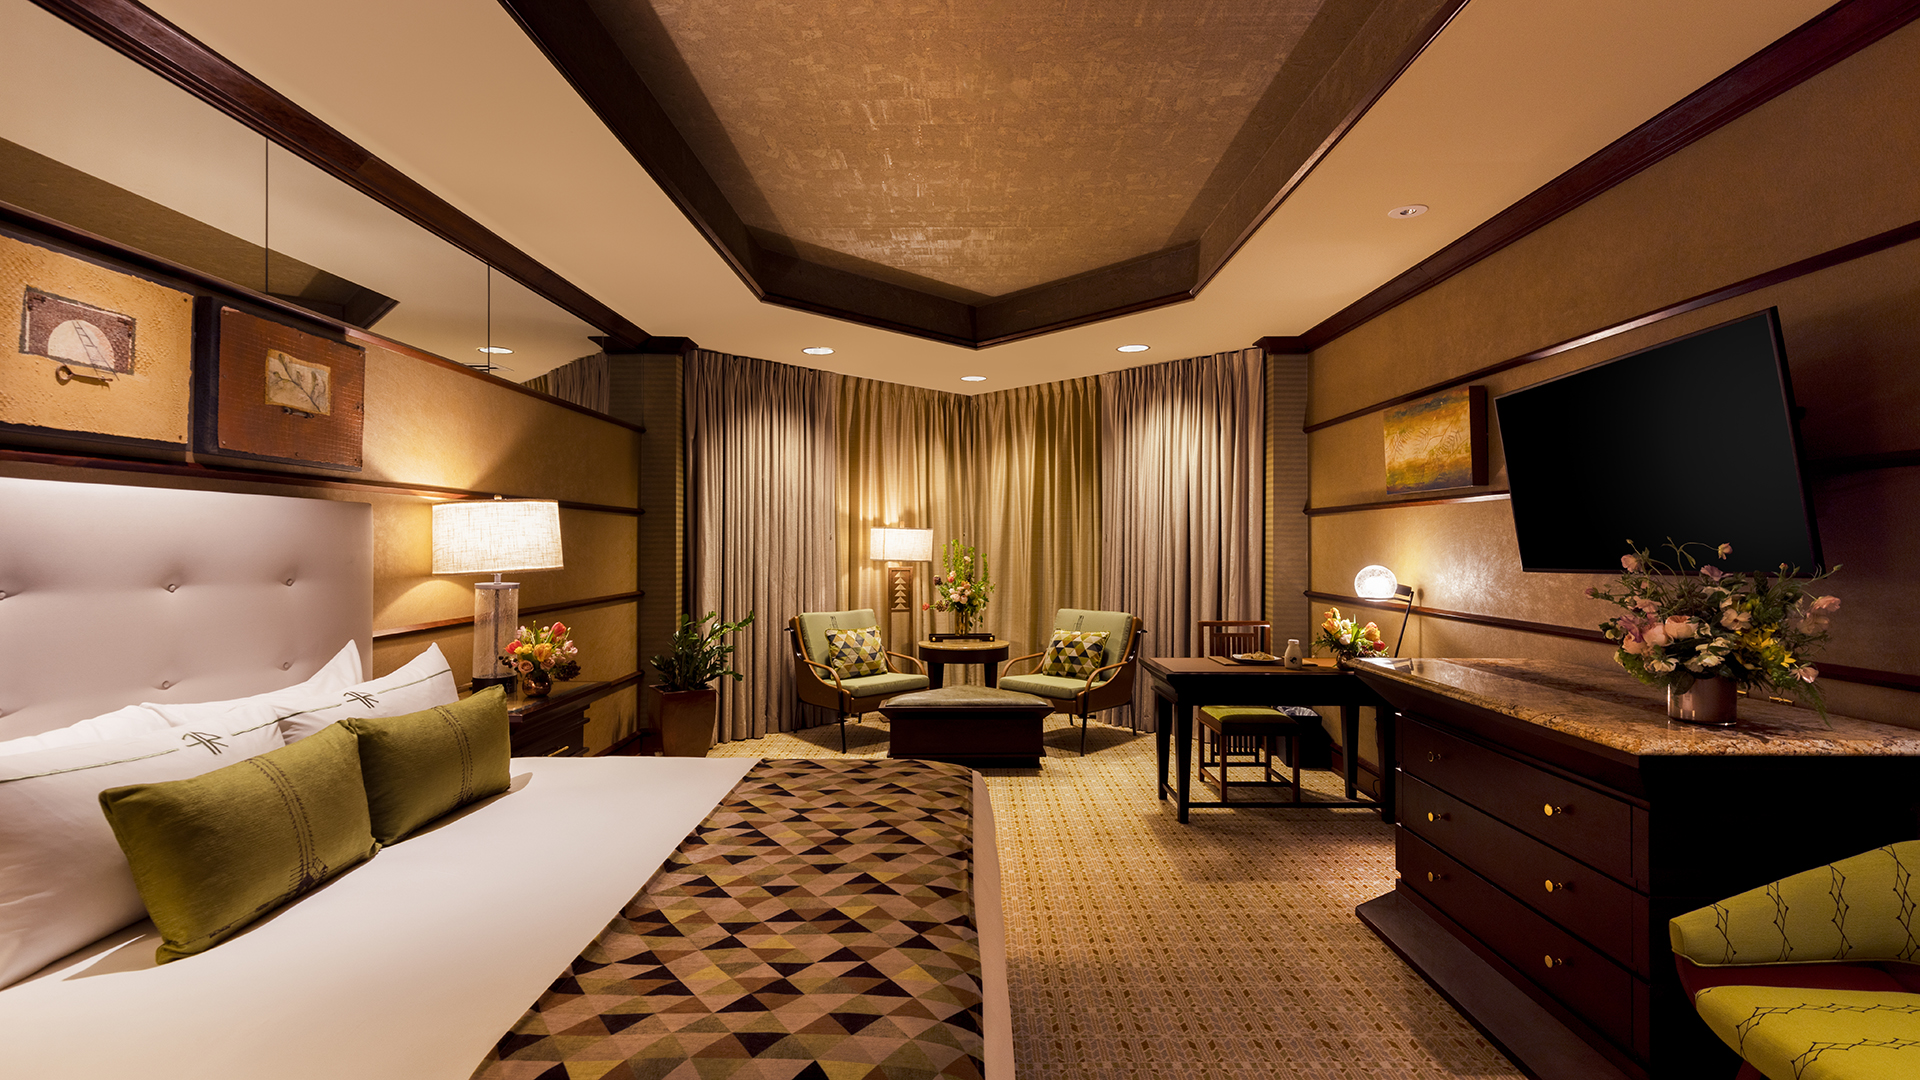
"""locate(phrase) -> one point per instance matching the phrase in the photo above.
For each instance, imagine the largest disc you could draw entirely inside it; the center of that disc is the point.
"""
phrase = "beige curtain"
(586, 382)
(761, 484)
(1182, 496)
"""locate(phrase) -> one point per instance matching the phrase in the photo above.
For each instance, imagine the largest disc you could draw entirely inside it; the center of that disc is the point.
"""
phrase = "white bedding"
(415, 963)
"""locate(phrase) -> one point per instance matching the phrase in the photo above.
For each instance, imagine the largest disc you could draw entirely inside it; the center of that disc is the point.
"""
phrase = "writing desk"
(1181, 683)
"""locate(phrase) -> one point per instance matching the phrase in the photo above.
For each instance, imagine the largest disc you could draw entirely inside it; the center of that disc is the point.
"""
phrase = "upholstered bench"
(968, 725)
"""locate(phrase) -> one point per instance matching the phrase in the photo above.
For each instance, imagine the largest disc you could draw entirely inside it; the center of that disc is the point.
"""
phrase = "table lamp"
(900, 548)
(492, 537)
(1376, 582)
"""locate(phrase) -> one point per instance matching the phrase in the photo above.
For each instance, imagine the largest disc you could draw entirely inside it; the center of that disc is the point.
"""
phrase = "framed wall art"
(1438, 442)
(91, 353)
(266, 390)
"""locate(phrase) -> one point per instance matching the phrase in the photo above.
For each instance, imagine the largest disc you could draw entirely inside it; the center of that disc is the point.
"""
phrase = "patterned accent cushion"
(1860, 908)
(1817, 1034)
(856, 653)
(1074, 654)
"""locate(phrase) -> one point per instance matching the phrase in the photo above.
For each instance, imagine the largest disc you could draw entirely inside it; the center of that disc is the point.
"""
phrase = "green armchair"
(816, 682)
(1108, 686)
(1815, 976)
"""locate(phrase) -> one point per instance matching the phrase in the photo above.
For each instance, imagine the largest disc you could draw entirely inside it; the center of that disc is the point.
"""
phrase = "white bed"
(411, 965)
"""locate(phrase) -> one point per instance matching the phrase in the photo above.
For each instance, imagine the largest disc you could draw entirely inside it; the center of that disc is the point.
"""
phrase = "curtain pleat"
(761, 463)
(1182, 499)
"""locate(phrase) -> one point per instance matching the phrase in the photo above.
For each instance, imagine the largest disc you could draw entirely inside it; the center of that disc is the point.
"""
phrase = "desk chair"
(1247, 732)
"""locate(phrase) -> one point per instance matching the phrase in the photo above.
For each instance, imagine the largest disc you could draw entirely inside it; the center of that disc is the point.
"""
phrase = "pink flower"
(1734, 619)
(1647, 606)
(525, 666)
(1712, 573)
(1634, 646)
(1630, 563)
(1806, 673)
(1655, 634)
(1825, 606)
(1593, 592)
(1679, 628)
(557, 629)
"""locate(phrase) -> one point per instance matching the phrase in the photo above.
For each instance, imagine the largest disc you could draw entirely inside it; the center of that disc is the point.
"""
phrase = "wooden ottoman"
(968, 725)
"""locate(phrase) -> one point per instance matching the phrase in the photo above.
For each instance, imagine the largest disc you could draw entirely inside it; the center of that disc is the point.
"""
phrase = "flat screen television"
(1693, 440)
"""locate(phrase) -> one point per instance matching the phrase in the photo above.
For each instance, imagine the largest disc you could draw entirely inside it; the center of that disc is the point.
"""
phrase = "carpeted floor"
(1227, 947)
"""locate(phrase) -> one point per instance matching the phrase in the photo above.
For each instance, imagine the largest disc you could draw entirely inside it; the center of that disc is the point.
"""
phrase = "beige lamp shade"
(488, 537)
(901, 545)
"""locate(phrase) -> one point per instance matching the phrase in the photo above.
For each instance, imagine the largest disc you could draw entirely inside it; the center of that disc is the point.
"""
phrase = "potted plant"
(685, 705)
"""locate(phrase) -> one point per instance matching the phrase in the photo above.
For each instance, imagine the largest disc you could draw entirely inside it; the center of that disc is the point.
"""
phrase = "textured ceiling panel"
(977, 149)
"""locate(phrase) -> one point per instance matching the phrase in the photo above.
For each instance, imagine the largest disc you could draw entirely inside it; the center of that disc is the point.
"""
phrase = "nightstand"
(554, 726)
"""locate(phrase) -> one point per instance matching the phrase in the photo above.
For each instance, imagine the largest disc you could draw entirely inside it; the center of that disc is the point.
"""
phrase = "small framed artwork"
(1438, 442)
(93, 354)
(266, 390)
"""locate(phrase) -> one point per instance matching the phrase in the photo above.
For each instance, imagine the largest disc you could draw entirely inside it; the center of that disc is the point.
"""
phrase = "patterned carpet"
(1225, 948)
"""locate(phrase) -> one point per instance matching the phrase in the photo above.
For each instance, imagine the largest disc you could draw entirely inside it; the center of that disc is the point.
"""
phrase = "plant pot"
(685, 720)
(1708, 701)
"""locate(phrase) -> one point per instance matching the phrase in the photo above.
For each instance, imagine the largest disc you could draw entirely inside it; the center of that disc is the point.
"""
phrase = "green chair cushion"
(425, 765)
(815, 624)
(1856, 909)
(212, 854)
(1057, 687)
(890, 683)
(1792, 1032)
(1244, 712)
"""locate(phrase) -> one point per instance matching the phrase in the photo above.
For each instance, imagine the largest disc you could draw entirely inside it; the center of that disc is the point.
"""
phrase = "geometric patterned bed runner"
(818, 925)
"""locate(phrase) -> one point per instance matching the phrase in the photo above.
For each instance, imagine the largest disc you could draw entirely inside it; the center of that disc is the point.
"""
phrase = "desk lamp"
(492, 537)
(1376, 582)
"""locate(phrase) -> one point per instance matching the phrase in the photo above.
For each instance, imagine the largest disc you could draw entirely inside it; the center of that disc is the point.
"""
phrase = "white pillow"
(119, 724)
(337, 674)
(63, 879)
(424, 682)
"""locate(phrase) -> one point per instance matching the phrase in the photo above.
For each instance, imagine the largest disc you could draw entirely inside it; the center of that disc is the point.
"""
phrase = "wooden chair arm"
(831, 674)
(1008, 666)
(1095, 673)
(914, 660)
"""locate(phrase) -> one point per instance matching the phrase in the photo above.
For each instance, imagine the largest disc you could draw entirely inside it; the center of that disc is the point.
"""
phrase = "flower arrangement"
(964, 589)
(546, 650)
(1690, 621)
(1347, 639)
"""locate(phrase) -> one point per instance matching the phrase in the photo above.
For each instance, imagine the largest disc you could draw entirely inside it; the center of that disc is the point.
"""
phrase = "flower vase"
(536, 683)
(963, 622)
(1708, 701)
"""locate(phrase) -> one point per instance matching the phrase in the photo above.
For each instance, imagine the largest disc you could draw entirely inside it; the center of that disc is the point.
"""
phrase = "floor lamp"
(493, 537)
(1376, 582)
(900, 549)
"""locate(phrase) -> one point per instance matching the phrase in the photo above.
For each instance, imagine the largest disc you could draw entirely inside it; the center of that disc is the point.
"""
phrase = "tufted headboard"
(114, 595)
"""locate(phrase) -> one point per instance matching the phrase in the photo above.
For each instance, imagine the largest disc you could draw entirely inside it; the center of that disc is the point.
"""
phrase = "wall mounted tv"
(1694, 440)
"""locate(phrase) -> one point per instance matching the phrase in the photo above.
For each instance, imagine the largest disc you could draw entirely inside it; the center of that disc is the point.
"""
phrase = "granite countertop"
(1613, 709)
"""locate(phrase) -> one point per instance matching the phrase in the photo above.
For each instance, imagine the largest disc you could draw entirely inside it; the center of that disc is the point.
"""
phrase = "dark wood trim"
(1840, 466)
(542, 609)
(1821, 42)
(1897, 680)
(141, 35)
(1812, 264)
(1393, 504)
(236, 474)
(1283, 346)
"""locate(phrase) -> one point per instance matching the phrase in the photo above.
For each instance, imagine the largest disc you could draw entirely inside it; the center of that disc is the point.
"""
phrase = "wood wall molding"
(237, 474)
(1800, 268)
(541, 609)
(1395, 504)
(1821, 42)
(141, 35)
(1896, 680)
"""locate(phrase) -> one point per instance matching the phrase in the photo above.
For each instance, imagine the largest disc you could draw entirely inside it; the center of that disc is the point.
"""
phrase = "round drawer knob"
(1556, 886)
(1431, 876)
(1431, 756)
(1431, 816)
(1555, 811)
(1553, 961)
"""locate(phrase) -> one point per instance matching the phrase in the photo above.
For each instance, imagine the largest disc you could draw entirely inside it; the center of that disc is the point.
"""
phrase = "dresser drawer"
(1601, 911)
(1594, 828)
(1593, 987)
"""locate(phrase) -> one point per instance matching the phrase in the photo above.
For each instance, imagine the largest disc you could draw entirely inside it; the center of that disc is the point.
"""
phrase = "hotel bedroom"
(896, 266)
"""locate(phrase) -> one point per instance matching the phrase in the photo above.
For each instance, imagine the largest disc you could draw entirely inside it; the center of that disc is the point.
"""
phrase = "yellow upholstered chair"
(817, 682)
(1108, 685)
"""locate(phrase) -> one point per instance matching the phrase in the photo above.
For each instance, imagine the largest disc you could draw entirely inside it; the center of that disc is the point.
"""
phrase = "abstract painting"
(1438, 442)
(75, 333)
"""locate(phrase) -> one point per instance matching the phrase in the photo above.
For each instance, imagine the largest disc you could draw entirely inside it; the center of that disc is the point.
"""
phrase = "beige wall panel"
(430, 425)
(599, 550)
(1736, 203)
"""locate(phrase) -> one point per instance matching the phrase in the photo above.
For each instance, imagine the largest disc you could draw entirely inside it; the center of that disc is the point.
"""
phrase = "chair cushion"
(815, 624)
(857, 652)
(1817, 1034)
(890, 683)
(1854, 909)
(1074, 654)
(1055, 687)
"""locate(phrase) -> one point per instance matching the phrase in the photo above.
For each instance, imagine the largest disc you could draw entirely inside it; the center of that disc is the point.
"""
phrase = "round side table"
(938, 654)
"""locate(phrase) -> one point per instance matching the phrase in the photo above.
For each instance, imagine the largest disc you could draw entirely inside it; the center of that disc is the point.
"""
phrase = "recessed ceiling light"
(973, 378)
(1407, 211)
(1133, 348)
(817, 350)
(496, 350)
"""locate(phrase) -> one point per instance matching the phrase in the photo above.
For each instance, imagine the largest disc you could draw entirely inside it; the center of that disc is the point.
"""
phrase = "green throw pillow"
(1074, 654)
(425, 765)
(214, 853)
(854, 653)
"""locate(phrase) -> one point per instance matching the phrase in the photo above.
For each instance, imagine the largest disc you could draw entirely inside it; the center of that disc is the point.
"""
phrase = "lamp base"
(496, 623)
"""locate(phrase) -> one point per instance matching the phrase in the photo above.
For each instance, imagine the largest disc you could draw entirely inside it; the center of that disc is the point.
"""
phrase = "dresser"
(1552, 819)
